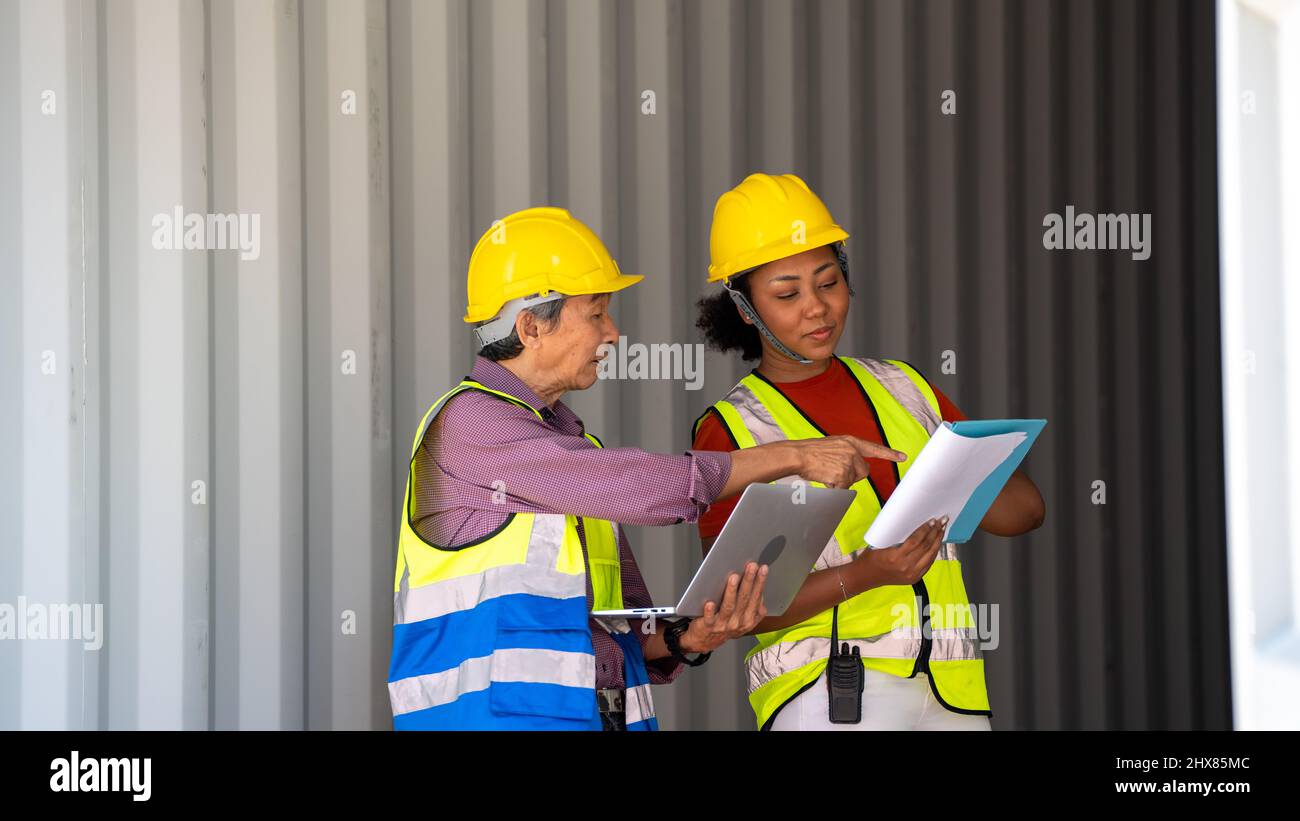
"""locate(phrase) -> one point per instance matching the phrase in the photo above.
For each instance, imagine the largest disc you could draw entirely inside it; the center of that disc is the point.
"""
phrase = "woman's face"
(803, 299)
(570, 354)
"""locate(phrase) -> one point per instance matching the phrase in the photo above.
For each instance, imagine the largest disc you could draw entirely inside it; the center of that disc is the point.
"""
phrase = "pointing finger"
(872, 450)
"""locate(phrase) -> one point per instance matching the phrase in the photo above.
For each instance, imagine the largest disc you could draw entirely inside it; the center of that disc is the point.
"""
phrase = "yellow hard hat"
(536, 251)
(767, 218)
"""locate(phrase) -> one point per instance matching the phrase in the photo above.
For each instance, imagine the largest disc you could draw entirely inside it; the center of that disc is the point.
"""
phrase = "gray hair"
(546, 313)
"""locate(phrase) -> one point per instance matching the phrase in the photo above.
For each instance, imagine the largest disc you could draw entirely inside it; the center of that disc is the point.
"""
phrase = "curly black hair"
(724, 329)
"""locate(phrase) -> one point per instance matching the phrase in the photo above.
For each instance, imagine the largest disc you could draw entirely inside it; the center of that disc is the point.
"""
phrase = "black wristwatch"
(673, 638)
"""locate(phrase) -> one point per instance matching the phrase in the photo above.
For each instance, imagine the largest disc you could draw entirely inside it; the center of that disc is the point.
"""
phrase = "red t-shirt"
(833, 401)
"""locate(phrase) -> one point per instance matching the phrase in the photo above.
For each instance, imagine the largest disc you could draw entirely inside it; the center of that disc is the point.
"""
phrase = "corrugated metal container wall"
(214, 447)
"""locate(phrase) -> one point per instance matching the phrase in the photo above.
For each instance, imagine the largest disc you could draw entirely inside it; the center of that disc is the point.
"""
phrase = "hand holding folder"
(958, 474)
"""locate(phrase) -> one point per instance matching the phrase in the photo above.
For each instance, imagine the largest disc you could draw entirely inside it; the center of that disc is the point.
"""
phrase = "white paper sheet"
(941, 481)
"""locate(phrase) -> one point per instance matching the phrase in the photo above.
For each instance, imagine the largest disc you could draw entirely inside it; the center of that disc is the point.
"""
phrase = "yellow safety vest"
(885, 623)
(494, 634)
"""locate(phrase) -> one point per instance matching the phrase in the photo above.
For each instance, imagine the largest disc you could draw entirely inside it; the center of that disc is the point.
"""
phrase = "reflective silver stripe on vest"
(613, 624)
(545, 542)
(758, 421)
(534, 666)
(537, 576)
(834, 556)
(637, 704)
(399, 598)
(948, 644)
(904, 391)
(466, 592)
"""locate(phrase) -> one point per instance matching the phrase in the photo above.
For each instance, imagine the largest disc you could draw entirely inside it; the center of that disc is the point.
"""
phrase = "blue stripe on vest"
(634, 672)
(516, 621)
(482, 710)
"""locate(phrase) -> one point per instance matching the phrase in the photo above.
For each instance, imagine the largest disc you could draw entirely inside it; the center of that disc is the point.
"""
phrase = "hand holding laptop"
(740, 612)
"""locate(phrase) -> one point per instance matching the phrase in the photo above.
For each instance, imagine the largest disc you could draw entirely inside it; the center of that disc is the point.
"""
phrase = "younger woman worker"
(784, 300)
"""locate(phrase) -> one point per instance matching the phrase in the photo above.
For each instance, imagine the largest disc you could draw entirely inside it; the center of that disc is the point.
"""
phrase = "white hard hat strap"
(501, 326)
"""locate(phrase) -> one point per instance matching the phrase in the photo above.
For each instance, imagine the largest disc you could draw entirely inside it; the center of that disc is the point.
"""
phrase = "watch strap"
(672, 639)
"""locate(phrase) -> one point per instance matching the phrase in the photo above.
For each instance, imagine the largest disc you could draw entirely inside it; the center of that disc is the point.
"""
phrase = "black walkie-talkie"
(844, 678)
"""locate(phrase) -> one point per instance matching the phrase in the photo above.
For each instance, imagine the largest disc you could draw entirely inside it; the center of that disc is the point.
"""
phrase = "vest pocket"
(606, 584)
(543, 671)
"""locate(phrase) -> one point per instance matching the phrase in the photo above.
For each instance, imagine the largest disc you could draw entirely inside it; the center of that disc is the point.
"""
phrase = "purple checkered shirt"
(547, 466)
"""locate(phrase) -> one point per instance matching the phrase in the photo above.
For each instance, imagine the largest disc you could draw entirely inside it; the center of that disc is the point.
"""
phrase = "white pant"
(888, 703)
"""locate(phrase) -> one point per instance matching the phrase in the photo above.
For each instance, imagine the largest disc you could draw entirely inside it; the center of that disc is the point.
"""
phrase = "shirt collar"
(496, 376)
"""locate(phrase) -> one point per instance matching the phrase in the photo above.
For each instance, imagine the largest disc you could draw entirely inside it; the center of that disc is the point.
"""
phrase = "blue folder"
(963, 527)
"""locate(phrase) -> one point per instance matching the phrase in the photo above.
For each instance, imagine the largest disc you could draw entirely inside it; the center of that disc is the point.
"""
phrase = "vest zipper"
(922, 664)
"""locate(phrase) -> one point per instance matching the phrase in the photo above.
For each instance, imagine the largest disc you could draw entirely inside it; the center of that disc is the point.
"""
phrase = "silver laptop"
(782, 526)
